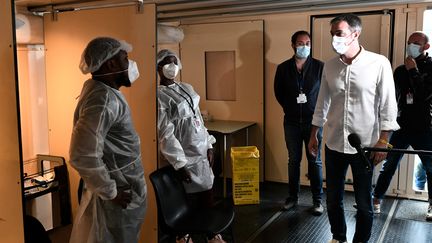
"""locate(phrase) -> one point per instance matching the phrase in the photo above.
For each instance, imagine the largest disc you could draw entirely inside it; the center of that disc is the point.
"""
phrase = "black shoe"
(317, 209)
(290, 203)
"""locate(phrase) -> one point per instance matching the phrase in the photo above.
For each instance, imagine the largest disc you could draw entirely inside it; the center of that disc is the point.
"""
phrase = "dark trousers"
(336, 168)
(296, 136)
(402, 139)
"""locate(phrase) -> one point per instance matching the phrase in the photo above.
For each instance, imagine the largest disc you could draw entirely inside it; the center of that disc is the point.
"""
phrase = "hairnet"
(167, 53)
(99, 50)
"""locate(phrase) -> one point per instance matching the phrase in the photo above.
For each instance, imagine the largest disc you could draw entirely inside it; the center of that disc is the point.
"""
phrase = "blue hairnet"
(98, 51)
(167, 53)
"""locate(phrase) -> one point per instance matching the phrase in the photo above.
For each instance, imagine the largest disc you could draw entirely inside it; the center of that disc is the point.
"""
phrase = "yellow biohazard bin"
(245, 175)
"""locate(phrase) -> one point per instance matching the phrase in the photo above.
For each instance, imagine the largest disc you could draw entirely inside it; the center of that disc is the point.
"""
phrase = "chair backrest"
(170, 195)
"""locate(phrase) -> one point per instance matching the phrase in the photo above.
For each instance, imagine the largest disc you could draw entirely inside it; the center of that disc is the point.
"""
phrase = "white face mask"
(170, 70)
(339, 44)
(413, 50)
(302, 52)
(133, 72)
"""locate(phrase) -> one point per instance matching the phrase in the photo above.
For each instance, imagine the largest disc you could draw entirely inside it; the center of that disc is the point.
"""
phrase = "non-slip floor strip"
(387, 222)
(263, 227)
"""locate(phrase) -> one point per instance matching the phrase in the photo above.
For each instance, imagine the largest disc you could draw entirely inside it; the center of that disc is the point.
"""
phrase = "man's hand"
(184, 174)
(313, 146)
(313, 141)
(123, 198)
(410, 63)
(210, 157)
(377, 157)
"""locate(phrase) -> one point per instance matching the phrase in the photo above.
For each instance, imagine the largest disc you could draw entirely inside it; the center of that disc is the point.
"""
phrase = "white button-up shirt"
(357, 98)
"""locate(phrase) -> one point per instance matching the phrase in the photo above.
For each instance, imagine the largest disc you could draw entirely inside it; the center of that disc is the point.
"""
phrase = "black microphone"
(355, 142)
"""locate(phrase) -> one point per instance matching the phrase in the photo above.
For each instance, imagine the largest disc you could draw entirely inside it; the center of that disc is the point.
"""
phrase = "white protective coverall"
(183, 139)
(105, 150)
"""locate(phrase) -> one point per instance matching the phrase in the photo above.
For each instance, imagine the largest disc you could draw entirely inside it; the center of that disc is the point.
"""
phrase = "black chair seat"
(177, 217)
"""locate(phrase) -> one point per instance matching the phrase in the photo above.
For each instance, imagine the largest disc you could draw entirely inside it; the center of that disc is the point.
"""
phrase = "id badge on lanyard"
(410, 98)
(301, 98)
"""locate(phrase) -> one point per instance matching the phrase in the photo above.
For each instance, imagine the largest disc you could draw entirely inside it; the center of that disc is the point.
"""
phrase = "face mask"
(302, 52)
(133, 72)
(170, 71)
(339, 45)
(413, 50)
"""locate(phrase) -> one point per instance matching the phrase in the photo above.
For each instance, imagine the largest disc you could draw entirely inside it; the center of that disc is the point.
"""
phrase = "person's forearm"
(385, 136)
(314, 131)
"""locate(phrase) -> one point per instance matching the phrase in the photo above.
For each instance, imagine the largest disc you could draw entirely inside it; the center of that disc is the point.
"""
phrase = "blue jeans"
(297, 134)
(402, 139)
(420, 176)
(336, 168)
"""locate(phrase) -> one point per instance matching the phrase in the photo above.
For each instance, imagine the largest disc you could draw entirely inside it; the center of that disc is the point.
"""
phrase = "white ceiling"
(175, 10)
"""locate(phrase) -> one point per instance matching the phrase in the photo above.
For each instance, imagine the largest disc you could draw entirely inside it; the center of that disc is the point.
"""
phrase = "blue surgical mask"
(302, 52)
(413, 50)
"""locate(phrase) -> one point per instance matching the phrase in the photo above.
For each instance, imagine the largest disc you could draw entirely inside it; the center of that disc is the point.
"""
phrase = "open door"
(11, 201)
(65, 39)
(231, 53)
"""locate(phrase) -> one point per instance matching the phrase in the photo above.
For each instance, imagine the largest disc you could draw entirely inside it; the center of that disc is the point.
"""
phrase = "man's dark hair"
(297, 34)
(352, 20)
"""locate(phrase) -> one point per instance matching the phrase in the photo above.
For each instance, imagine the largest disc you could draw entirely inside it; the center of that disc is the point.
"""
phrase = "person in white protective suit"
(183, 139)
(105, 149)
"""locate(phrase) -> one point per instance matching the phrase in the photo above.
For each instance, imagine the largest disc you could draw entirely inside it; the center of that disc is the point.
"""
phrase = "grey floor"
(401, 220)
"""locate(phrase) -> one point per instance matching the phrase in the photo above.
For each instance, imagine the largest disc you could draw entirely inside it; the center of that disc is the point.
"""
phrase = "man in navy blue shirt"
(296, 87)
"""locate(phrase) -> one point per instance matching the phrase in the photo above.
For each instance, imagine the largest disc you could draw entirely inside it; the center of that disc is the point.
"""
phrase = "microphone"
(355, 142)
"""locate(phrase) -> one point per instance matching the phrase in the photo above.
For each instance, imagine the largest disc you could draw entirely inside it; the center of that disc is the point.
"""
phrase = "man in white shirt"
(357, 95)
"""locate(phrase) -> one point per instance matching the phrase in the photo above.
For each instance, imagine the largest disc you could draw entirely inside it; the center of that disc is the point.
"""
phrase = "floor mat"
(402, 231)
(412, 210)
(300, 226)
(266, 223)
(296, 225)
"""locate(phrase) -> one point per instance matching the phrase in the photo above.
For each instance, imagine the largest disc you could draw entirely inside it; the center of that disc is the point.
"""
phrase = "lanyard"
(300, 82)
(190, 103)
(300, 76)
